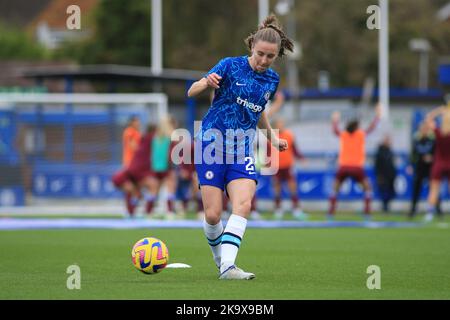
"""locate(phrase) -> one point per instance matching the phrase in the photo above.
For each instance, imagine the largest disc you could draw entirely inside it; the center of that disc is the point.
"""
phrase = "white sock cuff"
(236, 225)
(212, 231)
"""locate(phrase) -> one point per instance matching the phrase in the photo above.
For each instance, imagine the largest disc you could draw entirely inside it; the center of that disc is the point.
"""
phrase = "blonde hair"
(445, 127)
(165, 127)
(270, 31)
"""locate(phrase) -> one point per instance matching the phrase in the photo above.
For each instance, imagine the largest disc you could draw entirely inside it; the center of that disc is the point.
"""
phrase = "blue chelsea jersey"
(238, 103)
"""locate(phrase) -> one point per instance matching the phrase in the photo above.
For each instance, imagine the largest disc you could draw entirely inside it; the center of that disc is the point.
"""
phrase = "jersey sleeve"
(275, 81)
(220, 68)
(275, 88)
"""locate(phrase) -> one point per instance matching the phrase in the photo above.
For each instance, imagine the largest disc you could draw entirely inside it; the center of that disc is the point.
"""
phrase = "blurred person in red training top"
(441, 162)
(130, 139)
(285, 162)
(260, 155)
(352, 156)
(137, 175)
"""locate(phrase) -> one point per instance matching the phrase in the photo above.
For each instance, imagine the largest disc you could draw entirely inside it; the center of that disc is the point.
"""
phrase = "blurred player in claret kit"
(137, 175)
(441, 161)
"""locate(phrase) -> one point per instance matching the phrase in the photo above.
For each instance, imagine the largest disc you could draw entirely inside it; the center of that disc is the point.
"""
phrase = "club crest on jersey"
(209, 175)
(267, 96)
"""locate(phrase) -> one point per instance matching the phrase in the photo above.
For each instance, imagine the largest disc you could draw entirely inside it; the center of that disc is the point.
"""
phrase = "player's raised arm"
(376, 120)
(335, 118)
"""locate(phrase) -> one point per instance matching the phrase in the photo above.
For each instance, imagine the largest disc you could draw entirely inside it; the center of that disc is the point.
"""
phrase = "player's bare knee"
(242, 206)
(212, 216)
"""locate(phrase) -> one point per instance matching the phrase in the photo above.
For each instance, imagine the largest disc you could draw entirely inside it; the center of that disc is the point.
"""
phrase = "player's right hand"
(213, 80)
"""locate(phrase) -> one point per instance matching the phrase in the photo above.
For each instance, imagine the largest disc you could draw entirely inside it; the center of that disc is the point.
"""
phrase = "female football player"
(243, 86)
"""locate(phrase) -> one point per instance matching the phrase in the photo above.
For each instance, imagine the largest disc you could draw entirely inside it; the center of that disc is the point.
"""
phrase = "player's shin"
(367, 202)
(170, 202)
(149, 201)
(332, 204)
(231, 240)
(213, 234)
(131, 203)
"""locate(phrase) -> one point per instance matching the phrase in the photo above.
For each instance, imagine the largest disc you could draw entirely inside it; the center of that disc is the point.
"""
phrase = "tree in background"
(333, 36)
(121, 35)
(15, 44)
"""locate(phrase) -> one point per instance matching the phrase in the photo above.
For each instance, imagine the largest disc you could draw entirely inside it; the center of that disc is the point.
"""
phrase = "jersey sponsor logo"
(240, 84)
(267, 95)
(250, 105)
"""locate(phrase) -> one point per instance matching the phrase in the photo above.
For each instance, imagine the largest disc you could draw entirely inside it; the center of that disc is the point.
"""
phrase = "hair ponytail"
(270, 30)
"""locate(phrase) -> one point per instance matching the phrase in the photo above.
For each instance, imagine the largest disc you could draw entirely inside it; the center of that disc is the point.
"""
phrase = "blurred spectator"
(385, 172)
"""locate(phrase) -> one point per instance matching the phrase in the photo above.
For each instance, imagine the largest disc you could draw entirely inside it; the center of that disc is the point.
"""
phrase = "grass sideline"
(266, 215)
(290, 264)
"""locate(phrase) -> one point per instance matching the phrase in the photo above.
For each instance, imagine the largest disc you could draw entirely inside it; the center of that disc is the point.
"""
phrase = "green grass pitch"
(289, 264)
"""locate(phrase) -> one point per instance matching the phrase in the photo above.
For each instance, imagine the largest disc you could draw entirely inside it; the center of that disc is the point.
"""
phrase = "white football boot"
(234, 273)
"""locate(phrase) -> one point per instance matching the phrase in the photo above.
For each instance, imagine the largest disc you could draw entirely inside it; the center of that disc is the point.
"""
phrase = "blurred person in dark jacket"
(385, 172)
